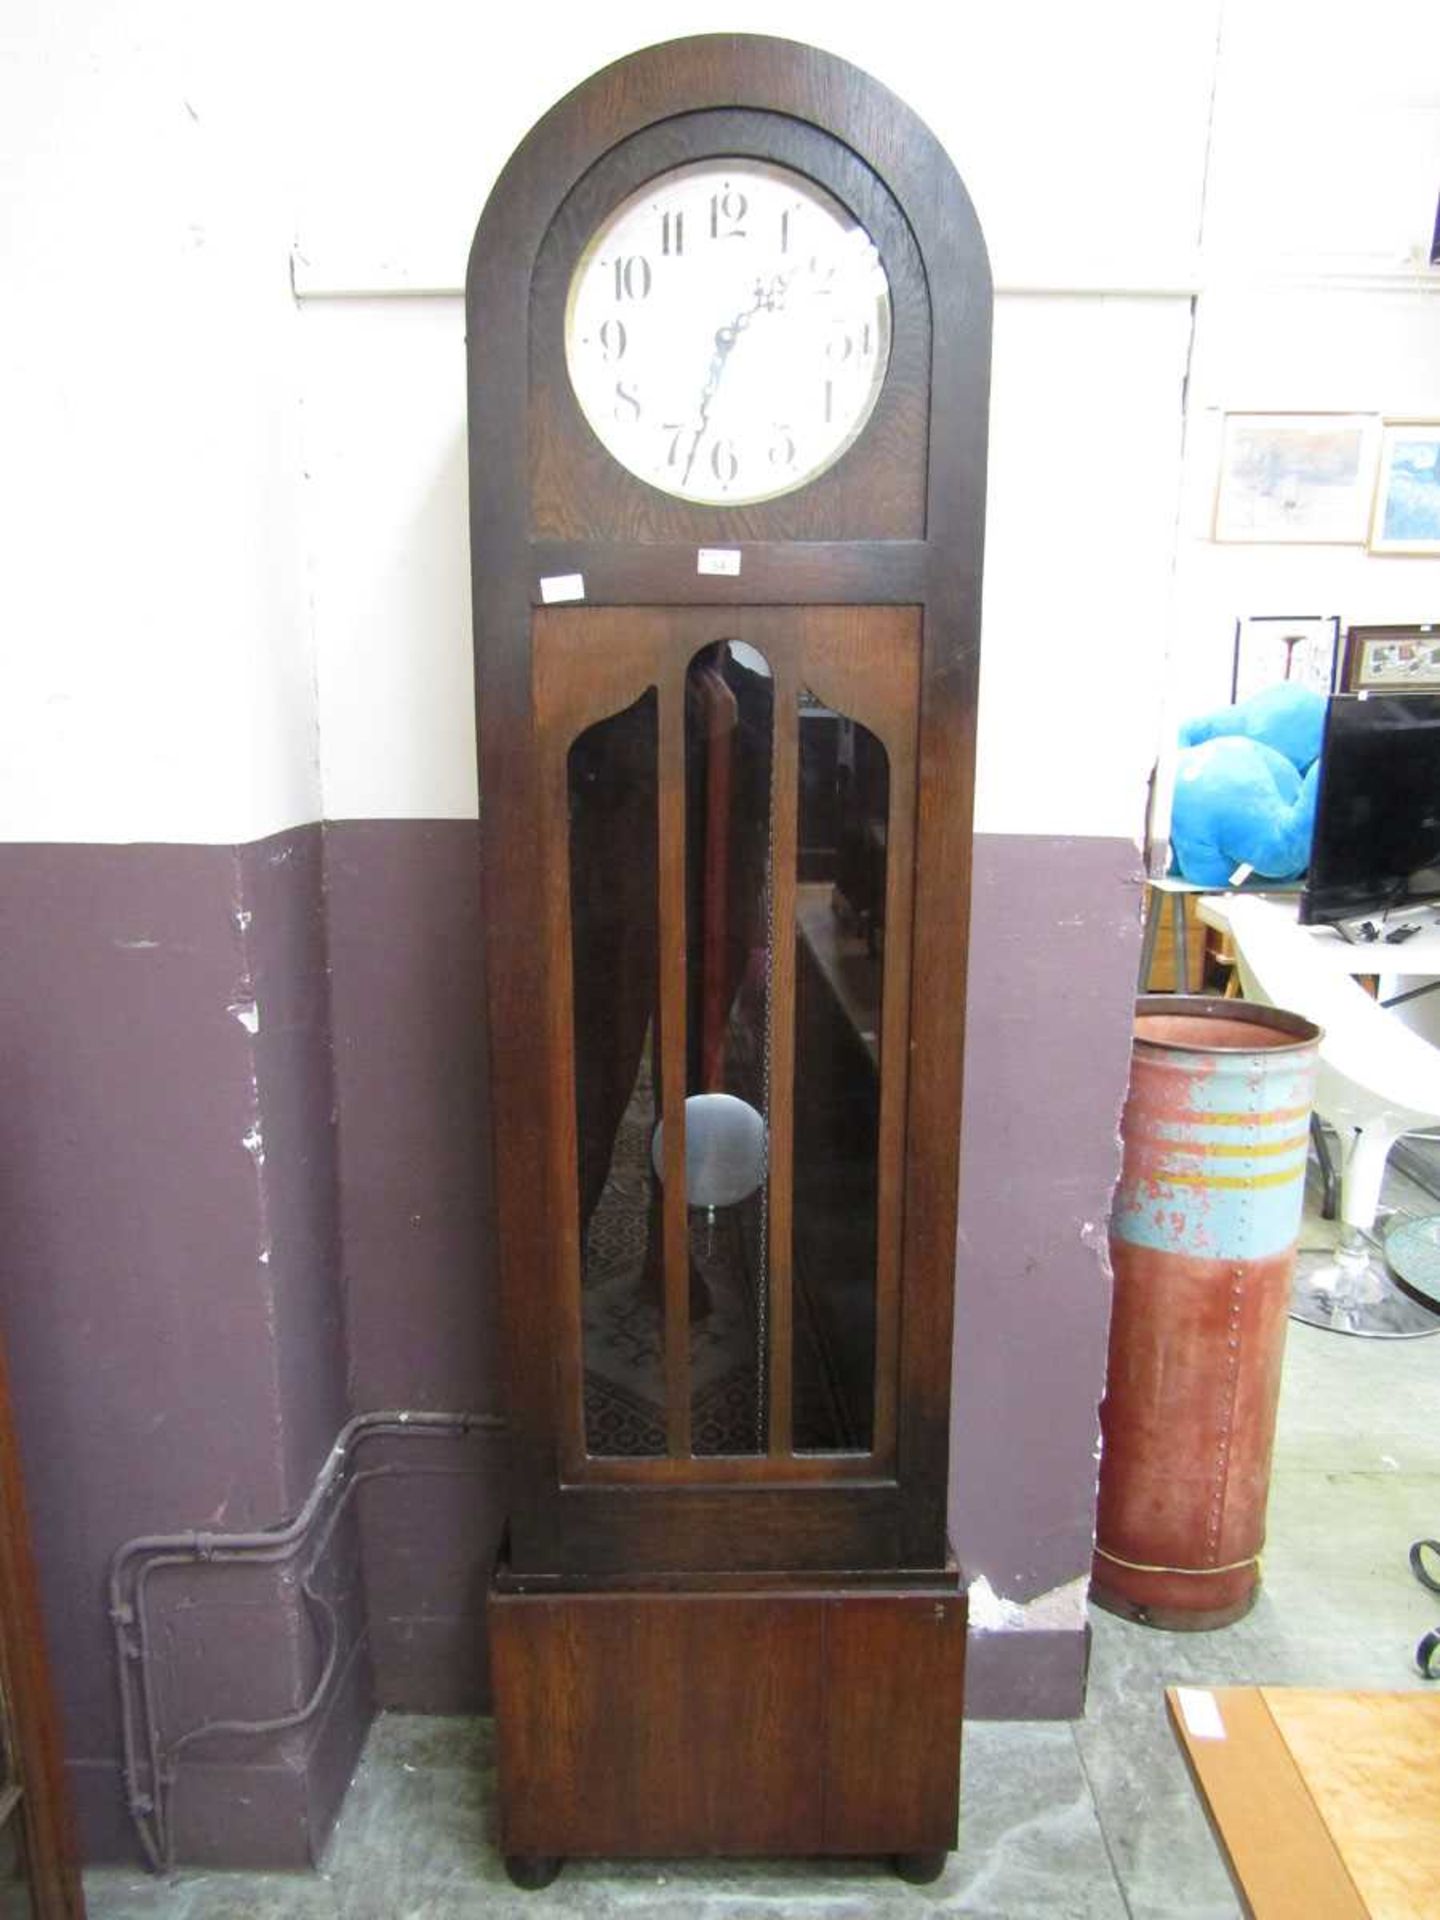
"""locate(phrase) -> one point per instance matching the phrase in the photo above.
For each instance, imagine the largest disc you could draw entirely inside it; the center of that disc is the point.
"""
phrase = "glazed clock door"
(726, 485)
(729, 1022)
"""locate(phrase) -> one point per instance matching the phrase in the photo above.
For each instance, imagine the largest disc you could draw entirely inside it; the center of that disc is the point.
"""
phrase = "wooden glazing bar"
(676, 1233)
(730, 1469)
(780, 1012)
(890, 1145)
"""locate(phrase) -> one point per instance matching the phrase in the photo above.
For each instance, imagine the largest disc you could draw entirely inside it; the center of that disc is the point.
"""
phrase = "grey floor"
(1080, 1821)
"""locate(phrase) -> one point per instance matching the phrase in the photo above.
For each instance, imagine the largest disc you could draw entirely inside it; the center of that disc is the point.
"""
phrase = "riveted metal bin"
(1202, 1243)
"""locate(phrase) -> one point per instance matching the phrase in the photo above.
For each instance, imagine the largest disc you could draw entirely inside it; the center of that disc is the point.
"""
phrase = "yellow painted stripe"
(1281, 1179)
(1273, 1117)
(1231, 1150)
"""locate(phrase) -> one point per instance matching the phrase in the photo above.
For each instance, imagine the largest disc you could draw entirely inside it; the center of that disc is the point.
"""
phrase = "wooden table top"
(1324, 1802)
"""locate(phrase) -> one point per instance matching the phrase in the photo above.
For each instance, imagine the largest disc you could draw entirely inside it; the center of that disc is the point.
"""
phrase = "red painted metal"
(1202, 1245)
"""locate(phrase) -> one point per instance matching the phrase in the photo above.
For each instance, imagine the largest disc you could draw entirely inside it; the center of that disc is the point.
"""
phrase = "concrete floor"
(1082, 1821)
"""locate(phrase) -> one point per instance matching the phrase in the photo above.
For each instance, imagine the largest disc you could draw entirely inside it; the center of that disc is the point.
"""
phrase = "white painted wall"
(237, 593)
(157, 657)
(1321, 200)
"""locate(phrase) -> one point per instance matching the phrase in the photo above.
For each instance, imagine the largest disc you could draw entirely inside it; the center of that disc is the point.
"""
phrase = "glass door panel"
(612, 791)
(729, 854)
(840, 897)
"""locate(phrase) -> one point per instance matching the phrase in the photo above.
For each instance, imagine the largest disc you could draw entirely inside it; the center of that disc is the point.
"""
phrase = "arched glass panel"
(844, 779)
(612, 785)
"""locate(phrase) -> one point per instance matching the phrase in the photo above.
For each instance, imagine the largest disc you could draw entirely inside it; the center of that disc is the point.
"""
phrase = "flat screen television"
(1377, 812)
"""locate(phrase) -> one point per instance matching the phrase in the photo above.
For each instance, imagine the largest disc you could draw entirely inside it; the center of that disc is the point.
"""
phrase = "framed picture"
(1392, 659)
(1274, 647)
(1407, 498)
(1296, 476)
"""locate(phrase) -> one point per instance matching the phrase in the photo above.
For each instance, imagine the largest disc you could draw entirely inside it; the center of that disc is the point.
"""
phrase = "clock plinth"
(809, 1716)
(726, 545)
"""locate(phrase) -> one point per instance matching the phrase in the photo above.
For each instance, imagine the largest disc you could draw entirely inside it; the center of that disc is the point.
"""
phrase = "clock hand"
(766, 297)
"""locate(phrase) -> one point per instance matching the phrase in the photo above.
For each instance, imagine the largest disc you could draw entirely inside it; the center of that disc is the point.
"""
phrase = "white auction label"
(718, 560)
(555, 587)
(1200, 1711)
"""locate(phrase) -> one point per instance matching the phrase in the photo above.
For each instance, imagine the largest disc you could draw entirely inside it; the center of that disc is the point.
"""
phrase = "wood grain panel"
(823, 1719)
(1372, 1764)
(657, 1725)
(894, 1689)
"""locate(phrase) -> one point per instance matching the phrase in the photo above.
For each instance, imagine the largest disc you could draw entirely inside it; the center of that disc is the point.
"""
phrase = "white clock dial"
(727, 331)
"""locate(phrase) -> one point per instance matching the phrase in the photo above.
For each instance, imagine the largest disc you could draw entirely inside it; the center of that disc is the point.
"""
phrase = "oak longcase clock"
(728, 321)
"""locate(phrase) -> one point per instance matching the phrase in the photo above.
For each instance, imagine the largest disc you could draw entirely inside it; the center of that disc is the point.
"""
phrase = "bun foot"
(920, 1868)
(533, 1870)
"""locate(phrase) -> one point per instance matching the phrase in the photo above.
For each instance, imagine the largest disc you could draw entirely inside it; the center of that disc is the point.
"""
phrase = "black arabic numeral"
(632, 277)
(613, 339)
(672, 233)
(727, 210)
(724, 463)
(627, 404)
(677, 431)
(782, 447)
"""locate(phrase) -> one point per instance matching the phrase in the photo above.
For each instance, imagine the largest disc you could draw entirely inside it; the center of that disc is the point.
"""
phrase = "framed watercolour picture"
(1271, 648)
(1392, 659)
(1296, 476)
(1407, 497)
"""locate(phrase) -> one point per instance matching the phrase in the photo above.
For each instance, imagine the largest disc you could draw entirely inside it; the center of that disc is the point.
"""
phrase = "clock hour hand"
(725, 338)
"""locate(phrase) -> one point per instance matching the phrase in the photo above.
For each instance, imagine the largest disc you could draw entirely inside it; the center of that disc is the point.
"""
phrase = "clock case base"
(800, 1716)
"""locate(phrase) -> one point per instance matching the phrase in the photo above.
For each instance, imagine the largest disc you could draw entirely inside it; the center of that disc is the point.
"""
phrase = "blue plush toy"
(1245, 787)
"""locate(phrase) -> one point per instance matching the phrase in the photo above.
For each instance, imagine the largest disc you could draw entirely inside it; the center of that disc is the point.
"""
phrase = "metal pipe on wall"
(150, 1776)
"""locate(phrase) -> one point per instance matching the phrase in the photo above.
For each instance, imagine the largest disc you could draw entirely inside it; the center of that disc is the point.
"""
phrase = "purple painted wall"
(202, 1273)
(168, 1276)
(1054, 953)
(410, 1070)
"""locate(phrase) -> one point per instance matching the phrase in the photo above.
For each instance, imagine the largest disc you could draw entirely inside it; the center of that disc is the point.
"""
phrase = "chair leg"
(1350, 1290)
(1149, 940)
(1362, 1174)
(1182, 949)
(1329, 1179)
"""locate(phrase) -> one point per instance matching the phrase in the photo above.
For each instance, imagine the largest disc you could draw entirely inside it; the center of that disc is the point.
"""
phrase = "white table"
(1419, 956)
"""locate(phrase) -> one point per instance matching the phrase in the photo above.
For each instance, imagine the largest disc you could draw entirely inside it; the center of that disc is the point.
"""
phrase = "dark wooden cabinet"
(728, 336)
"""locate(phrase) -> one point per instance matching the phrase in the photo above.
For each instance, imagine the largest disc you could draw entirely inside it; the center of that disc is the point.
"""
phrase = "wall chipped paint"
(170, 1298)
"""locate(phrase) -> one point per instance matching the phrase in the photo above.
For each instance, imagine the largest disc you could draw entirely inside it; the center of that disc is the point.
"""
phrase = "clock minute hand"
(725, 338)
